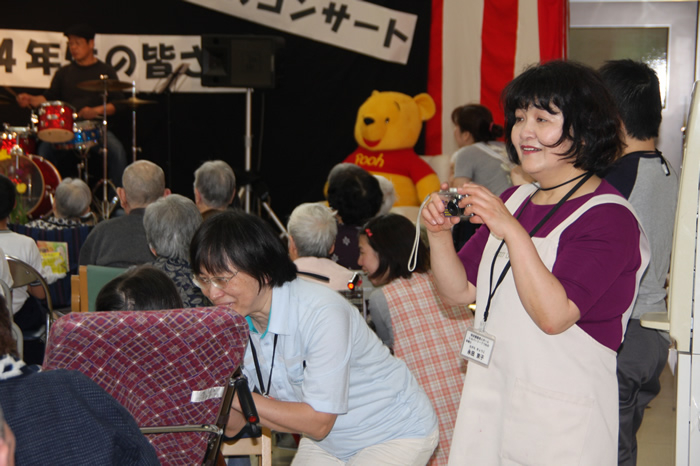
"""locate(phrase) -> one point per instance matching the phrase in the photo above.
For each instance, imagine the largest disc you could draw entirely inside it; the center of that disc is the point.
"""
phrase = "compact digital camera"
(451, 200)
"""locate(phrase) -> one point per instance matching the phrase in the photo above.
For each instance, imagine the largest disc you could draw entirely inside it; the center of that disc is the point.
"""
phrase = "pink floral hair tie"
(369, 232)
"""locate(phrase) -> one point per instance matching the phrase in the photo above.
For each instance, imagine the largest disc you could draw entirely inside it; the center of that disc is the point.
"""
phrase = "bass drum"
(51, 179)
(36, 179)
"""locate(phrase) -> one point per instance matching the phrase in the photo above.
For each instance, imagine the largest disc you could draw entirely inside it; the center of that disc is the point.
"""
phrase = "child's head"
(386, 243)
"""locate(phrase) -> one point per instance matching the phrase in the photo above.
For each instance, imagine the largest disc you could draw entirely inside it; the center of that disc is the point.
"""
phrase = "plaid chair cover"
(154, 363)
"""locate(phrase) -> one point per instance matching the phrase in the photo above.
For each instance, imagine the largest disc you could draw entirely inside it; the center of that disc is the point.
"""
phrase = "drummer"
(88, 104)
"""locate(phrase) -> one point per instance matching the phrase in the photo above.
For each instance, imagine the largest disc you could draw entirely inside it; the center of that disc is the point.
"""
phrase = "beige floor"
(656, 437)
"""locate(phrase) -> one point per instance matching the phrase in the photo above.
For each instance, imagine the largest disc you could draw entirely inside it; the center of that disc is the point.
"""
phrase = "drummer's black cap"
(80, 30)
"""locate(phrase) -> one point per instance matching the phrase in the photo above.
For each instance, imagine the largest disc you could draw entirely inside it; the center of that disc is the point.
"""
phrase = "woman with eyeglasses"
(315, 366)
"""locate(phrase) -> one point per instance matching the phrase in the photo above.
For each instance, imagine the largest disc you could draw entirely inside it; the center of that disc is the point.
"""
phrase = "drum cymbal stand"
(134, 148)
(105, 206)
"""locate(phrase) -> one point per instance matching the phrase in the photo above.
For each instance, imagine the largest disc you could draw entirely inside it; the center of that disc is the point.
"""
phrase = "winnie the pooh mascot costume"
(387, 127)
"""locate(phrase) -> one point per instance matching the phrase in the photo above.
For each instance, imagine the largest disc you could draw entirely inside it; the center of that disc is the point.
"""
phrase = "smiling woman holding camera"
(554, 274)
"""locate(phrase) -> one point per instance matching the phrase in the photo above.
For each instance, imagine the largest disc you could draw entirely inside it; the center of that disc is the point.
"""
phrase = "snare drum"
(23, 136)
(86, 133)
(56, 121)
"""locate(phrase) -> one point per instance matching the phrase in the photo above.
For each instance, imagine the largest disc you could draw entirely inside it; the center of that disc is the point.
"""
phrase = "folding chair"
(173, 370)
(87, 285)
(24, 274)
(16, 332)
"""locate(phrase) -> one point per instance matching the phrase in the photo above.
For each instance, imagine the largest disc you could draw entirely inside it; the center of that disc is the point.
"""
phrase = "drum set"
(55, 122)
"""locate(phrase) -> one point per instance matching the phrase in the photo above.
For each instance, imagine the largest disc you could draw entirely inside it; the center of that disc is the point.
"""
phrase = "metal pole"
(248, 145)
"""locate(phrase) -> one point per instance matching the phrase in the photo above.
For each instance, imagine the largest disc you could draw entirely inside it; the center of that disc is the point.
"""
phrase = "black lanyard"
(532, 233)
(257, 366)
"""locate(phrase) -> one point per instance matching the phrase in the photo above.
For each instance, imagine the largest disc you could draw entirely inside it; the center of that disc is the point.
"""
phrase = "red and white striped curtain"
(478, 46)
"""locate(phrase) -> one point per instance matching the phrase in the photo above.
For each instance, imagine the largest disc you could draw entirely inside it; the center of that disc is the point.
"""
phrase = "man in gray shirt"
(650, 184)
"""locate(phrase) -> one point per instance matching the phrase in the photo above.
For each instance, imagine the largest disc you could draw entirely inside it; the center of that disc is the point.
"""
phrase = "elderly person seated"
(312, 230)
(62, 417)
(71, 207)
(121, 241)
(214, 187)
(142, 288)
(170, 223)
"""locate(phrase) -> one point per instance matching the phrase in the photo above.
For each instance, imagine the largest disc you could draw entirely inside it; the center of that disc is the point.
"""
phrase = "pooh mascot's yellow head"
(387, 127)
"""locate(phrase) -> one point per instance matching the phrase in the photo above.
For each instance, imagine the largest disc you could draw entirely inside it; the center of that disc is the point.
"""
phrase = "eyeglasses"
(218, 282)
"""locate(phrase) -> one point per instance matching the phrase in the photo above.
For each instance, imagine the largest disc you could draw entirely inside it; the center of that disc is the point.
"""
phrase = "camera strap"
(586, 177)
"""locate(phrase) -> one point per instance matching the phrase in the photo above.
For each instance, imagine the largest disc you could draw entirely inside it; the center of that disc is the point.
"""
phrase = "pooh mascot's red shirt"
(413, 179)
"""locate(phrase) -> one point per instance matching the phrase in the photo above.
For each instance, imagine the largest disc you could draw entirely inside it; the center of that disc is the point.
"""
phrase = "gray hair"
(313, 228)
(170, 223)
(144, 182)
(72, 198)
(216, 183)
(388, 192)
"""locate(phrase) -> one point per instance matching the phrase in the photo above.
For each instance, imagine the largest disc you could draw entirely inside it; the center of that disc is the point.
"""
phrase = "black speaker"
(240, 61)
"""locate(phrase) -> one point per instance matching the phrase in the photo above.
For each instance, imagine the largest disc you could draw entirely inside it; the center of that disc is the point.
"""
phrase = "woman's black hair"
(236, 240)
(591, 121)
(392, 236)
(478, 121)
(142, 288)
(7, 196)
(355, 193)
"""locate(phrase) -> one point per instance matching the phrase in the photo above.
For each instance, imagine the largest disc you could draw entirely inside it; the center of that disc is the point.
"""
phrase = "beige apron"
(544, 399)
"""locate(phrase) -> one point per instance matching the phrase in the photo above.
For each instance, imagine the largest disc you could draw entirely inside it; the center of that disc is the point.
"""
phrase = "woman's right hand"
(433, 213)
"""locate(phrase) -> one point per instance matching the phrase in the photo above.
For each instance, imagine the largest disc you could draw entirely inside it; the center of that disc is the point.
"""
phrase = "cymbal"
(99, 85)
(134, 102)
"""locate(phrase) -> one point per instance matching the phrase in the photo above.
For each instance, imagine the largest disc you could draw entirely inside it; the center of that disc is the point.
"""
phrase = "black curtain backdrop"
(300, 129)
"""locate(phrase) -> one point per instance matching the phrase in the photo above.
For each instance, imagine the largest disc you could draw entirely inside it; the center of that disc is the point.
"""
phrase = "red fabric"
(552, 19)
(433, 127)
(498, 41)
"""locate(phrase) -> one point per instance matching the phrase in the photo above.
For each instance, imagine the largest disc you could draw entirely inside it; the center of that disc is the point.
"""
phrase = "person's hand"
(24, 100)
(90, 113)
(482, 206)
(433, 213)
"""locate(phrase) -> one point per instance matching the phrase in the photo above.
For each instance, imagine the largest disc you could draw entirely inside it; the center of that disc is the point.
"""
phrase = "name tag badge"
(478, 346)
